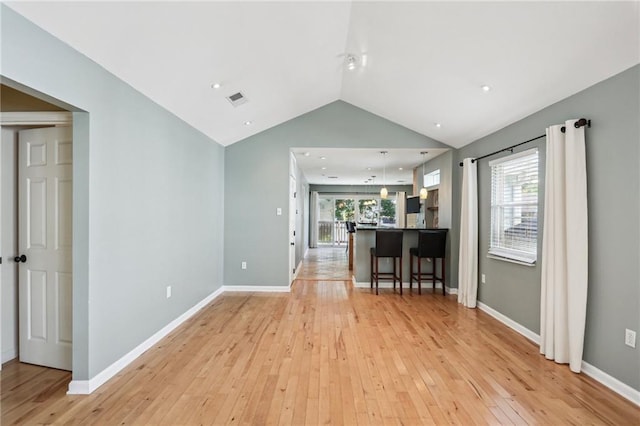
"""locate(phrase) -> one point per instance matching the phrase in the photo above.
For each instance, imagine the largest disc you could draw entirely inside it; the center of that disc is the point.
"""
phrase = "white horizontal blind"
(514, 207)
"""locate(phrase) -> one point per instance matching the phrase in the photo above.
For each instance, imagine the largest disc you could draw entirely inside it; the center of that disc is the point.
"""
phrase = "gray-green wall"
(148, 195)
(444, 163)
(613, 179)
(256, 183)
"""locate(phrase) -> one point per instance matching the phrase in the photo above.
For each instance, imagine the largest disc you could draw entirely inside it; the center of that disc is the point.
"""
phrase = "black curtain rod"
(577, 125)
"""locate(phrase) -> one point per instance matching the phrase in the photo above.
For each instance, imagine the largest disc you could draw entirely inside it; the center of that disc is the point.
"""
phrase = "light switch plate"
(279, 211)
(630, 338)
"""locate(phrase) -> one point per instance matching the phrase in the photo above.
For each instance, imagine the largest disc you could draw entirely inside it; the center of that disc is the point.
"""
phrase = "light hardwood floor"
(327, 264)
(326, 354)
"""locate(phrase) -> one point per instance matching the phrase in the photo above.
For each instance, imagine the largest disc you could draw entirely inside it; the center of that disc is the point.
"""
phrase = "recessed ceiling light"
(216, 85)
(438, 125)
(324, 168)
(306, 154)
(323, 158)
(399, 168)
(368, 168)
(248, 123)
(486, 88)
(352, 62)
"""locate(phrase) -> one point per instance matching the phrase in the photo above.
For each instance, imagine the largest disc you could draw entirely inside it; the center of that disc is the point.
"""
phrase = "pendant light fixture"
(383, 192)
(423, 191)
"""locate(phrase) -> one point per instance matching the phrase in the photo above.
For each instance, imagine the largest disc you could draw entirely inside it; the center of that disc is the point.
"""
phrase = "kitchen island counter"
(365, 238)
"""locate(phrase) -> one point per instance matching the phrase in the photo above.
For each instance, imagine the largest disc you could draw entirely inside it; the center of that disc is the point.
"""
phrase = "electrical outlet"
(630, 338)
(168, 291)
(483, 278)
(279, 211)
(244, 265)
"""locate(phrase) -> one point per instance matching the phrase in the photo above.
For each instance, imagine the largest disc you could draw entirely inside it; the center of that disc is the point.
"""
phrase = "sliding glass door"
(333, 212)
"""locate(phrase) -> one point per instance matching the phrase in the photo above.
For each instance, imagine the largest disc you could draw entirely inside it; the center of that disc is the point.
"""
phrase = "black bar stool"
(351, 228)
(431, 245)
(388, 244)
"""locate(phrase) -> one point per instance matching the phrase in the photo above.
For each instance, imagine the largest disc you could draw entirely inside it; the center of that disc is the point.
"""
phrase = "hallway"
(326, 263)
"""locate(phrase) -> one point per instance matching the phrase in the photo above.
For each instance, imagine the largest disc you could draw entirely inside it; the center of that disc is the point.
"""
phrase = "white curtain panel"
(563, 302)
(313, 220)
(468, 257)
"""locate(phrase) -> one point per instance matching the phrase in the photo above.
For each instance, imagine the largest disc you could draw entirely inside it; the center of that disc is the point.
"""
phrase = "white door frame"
(44, 118)
(1, 257)
(35, 118)
(292, 227)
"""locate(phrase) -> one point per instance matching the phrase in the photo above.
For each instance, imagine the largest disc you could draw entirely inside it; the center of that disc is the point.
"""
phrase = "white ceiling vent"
(237, 99)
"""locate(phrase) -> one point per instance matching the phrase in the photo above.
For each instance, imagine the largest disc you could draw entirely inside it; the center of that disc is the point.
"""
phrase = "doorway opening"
(36, 229)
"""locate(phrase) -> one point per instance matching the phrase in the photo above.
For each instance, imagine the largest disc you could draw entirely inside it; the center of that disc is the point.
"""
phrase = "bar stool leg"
(377, 272)
(371, 270)
(410, 273)
(419, 275)
(433, 277)
(400, 274)
(394, 274)
(442, 263)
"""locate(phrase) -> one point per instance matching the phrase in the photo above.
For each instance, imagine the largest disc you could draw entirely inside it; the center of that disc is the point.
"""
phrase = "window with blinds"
(514, 207)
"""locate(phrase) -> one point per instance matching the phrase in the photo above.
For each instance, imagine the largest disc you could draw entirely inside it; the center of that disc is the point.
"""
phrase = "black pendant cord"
(577, 125)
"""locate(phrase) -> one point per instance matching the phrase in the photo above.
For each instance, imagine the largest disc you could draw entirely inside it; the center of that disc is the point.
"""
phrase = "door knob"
(21, 258)
(293, 244)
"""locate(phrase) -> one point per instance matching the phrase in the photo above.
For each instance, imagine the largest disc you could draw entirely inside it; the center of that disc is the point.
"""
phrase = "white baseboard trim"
(85, 387)
(535, 338)
(612, 383)
(80, 387)
(295, 274)
(595, 373)
(258, 288)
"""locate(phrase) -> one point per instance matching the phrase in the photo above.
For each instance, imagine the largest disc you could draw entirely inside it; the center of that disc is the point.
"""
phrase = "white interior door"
(292, 228)
(45, 281)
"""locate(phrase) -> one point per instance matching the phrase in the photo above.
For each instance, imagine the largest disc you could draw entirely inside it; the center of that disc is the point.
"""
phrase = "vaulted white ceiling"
(418, 63)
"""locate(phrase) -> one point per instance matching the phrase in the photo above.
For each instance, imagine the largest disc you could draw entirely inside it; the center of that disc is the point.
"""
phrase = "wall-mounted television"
(413, 204)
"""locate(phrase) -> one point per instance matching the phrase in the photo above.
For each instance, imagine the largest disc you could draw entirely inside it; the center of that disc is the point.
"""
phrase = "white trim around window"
(514, 207)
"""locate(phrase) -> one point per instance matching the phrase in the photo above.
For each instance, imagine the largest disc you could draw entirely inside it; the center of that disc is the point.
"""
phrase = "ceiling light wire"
(384, 193)
(423, 191)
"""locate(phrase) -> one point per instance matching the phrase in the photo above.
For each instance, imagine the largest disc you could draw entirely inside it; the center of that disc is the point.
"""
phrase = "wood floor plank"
(327, 353)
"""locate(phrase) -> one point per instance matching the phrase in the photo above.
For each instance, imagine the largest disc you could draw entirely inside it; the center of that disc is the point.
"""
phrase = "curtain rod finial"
(582, 122)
